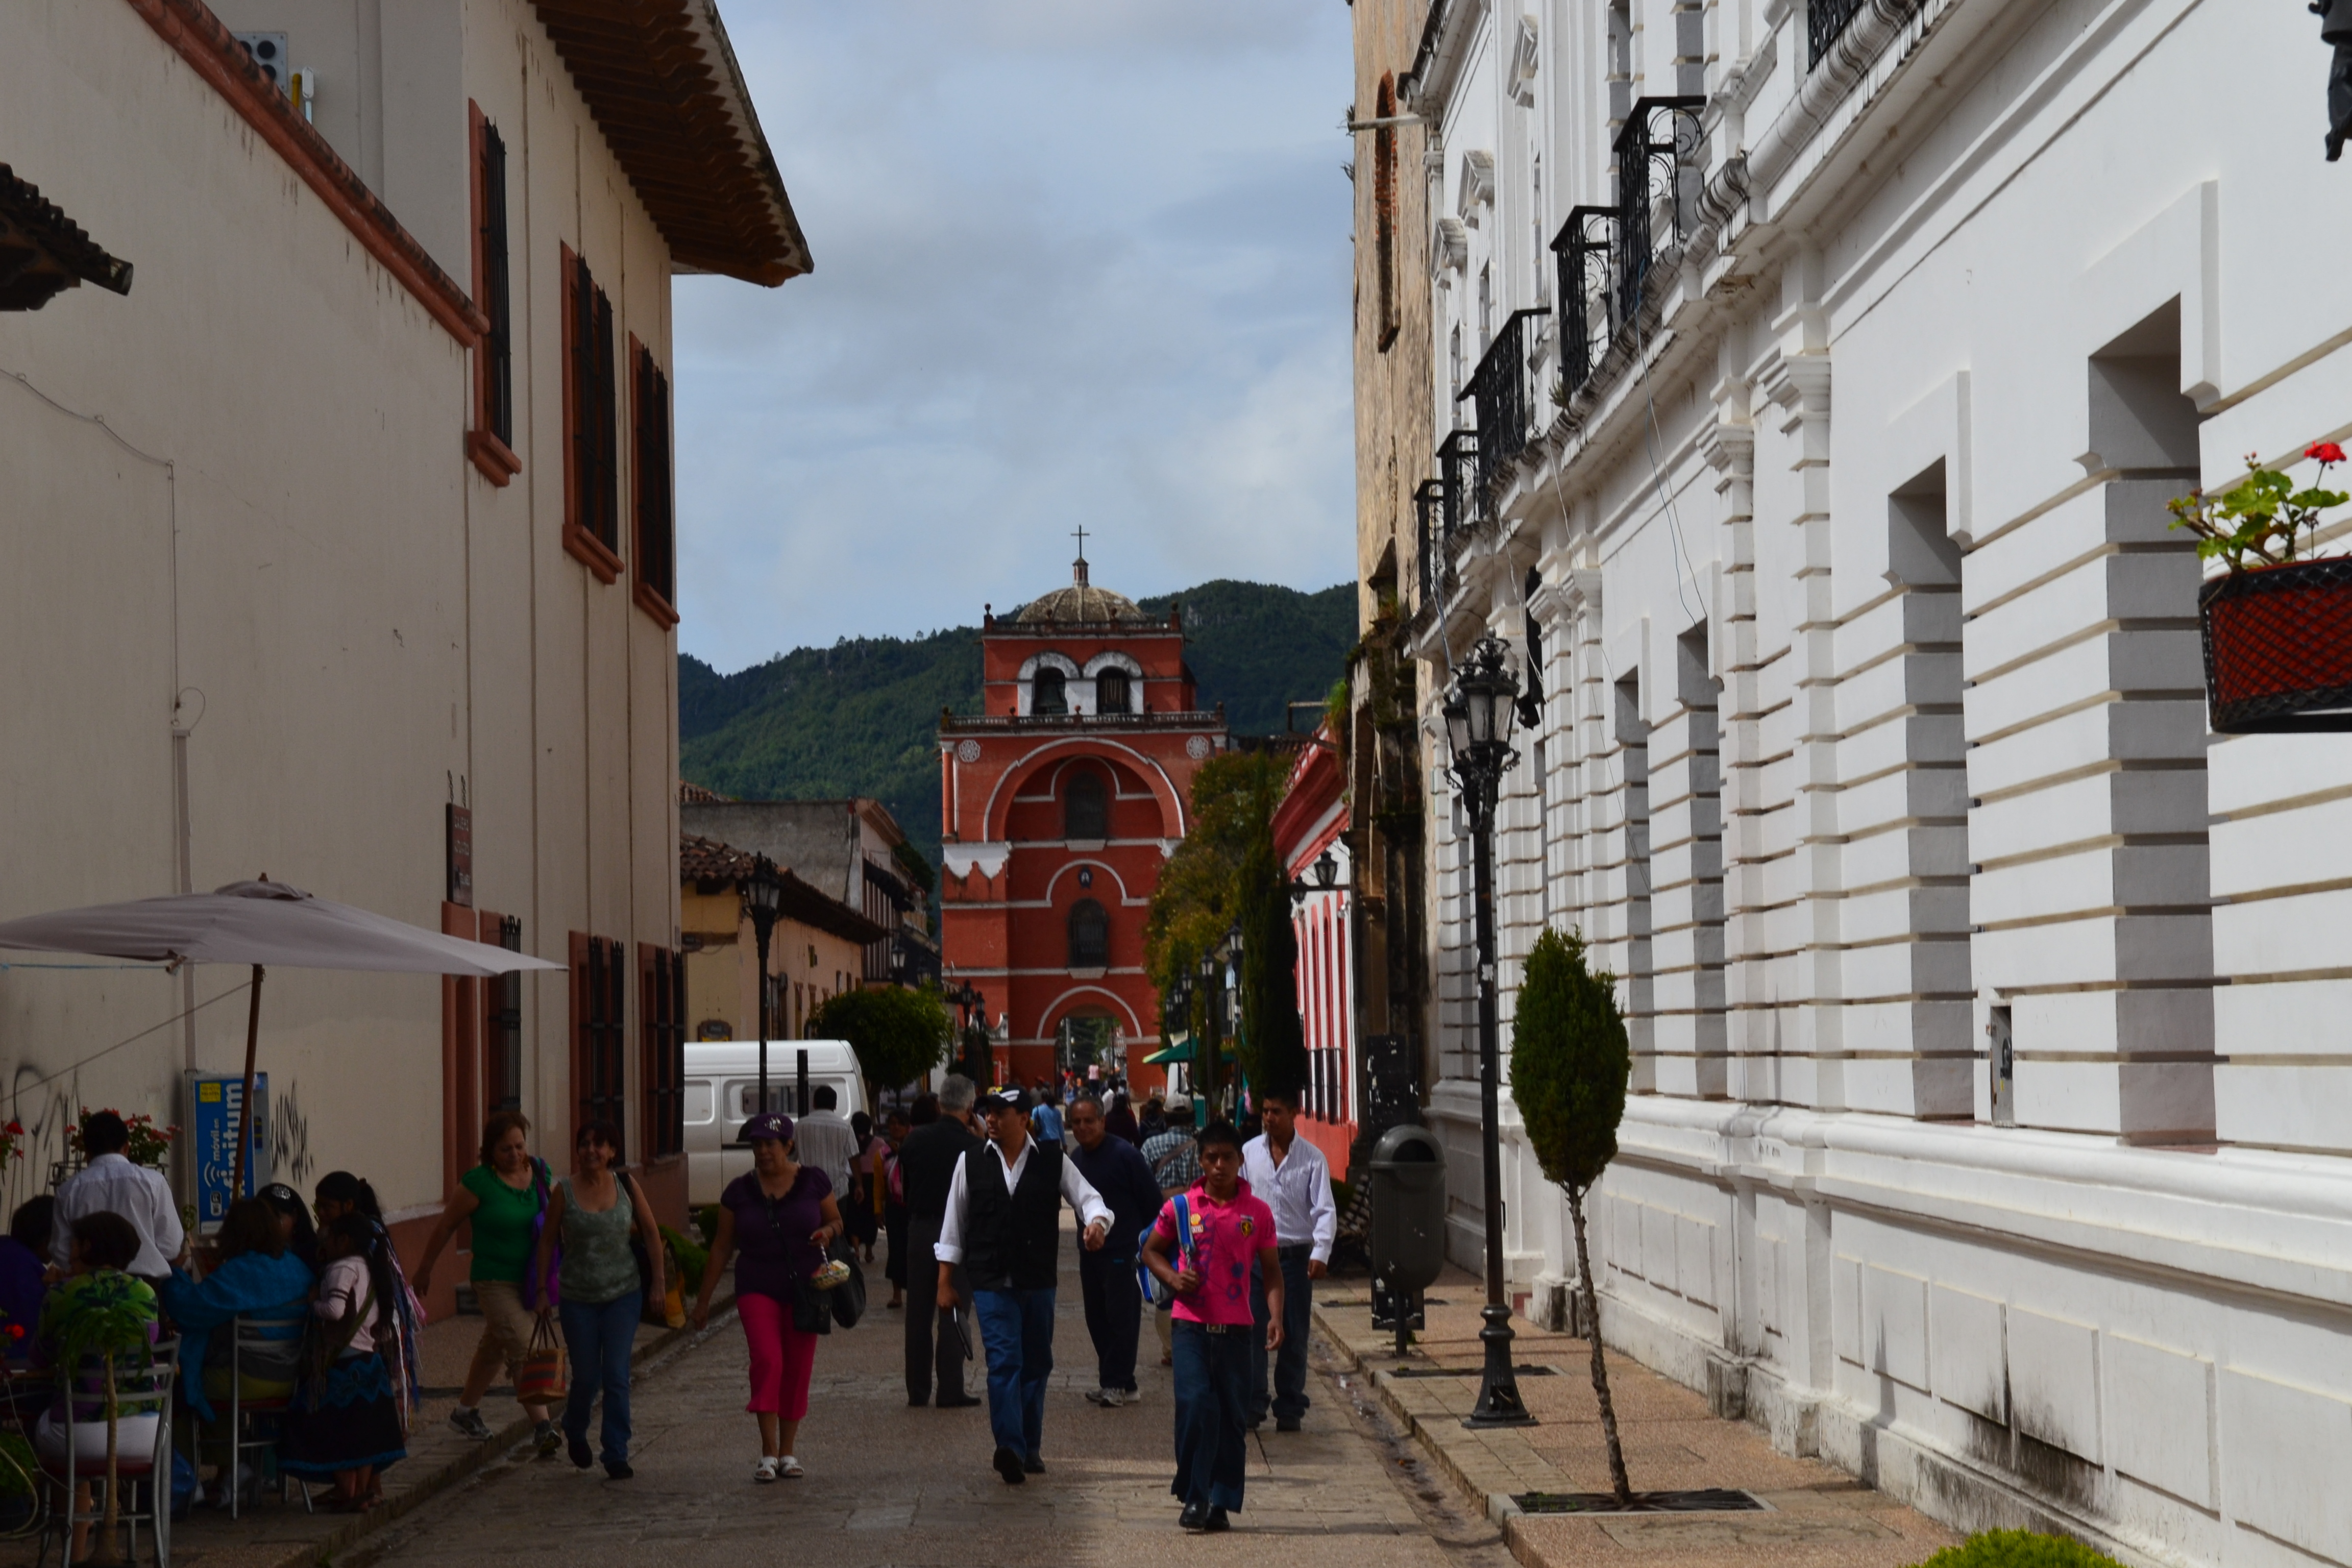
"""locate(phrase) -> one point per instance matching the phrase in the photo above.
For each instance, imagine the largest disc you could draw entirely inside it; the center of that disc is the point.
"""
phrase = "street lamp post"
(763, 899)
(1478, 713)
(1204, 1048)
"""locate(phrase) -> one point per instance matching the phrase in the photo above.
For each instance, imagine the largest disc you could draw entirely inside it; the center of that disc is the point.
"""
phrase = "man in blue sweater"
(1114, 1168)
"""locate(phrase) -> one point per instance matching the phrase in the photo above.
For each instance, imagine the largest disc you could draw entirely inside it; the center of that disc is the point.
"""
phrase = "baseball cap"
(1179, 1102)
(769, 1125)
(1006, 1099)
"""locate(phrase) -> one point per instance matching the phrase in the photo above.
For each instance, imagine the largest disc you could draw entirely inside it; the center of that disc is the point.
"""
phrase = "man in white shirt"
(1004, 1224)
(111, 1184)
(824, 1139)
(1291, 1177)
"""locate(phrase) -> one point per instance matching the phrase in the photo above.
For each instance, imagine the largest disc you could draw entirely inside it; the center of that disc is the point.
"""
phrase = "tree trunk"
(104, 1550)
(1600, 1369)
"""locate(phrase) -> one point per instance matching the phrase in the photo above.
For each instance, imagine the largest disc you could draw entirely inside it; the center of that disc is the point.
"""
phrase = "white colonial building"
(1826, 370)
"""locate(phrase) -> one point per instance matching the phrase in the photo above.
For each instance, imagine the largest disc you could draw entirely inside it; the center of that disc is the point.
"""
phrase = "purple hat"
(771, 1125)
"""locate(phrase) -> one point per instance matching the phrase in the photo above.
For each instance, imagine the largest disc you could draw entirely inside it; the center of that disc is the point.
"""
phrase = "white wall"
(1873, 705)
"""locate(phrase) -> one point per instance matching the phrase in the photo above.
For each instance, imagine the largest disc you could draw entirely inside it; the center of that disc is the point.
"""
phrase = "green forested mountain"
(862, 717)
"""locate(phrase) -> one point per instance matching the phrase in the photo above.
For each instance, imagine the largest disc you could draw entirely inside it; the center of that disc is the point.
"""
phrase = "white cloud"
(1076, 261)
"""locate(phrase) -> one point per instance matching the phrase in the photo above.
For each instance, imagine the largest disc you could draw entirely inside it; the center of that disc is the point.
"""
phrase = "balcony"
(1503, 400)
(999, 723)
(1605, 254)
(1825, 22)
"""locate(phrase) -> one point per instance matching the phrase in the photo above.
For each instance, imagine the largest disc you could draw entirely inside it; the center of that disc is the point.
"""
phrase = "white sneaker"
(1112, 1398)
(765, 1470)
(1131, 1396)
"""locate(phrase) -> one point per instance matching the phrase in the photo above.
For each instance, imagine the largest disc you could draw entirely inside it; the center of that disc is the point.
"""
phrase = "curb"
(1497, 1505)
(647, 1358)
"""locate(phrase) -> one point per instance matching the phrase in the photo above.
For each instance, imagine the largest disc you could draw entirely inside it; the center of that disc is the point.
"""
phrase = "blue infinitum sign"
(212, 1124)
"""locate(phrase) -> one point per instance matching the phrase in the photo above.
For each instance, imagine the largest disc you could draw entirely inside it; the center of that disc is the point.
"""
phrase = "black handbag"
(849, 1296)
(812, 1313)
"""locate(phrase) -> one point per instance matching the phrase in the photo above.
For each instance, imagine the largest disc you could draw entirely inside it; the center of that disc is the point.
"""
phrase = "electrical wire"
(154, 1028)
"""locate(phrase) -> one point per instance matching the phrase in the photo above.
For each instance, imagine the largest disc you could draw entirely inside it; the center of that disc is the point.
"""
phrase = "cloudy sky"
(1078, 261)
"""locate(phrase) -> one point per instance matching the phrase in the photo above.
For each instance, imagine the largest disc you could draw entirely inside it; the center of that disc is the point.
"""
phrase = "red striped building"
(1311, 823)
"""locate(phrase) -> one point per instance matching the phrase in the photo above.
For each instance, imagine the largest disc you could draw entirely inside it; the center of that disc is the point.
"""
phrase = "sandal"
(789, 1468)
(765, 1470)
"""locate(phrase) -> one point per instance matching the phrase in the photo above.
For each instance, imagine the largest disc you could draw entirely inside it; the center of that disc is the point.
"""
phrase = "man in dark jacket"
(1115, 1168)
(927, 1164)
(1004, 1224)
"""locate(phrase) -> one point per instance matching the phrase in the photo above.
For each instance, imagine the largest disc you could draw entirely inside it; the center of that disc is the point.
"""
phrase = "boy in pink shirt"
(1208, 1270)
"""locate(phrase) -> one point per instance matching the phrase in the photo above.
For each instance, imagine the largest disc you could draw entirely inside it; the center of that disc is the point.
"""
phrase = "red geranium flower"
(2326, 451)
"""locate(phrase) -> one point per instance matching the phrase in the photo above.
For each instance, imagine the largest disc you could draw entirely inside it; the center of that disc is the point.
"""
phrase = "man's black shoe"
(1217, 1520)
(1195, 1518)
(582, 1454)
(1008, 1465)
(1286, 1422)
(618, 1470)
(1034, 1465)
(917, 1401)
(958, 1401)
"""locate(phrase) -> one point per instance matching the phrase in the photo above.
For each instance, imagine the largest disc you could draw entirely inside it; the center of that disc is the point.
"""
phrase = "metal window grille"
(1457, 459)
(498, 345)
(599, 981)
(1090, 935)
(1086, 806)
(663, 985)
(656, 530)
(1429, 515)
(504, 1058)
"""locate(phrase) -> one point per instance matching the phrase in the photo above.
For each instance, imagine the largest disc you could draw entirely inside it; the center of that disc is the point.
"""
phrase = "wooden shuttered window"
(592, 484)
(490, 442)
(599, 1031)
(655, 559)
(502, 1022)
(661, 998)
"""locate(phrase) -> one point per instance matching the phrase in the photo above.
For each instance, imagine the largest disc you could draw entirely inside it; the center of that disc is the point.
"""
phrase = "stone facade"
(1989, 1011)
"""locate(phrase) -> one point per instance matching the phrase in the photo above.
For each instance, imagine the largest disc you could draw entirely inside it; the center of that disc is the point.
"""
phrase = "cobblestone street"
(891, 1485)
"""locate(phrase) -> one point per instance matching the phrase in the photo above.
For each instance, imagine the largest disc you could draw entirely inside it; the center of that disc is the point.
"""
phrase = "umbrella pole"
(245, 1106)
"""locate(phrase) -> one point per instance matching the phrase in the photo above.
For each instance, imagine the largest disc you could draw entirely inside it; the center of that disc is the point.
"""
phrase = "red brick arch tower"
(1059, 803)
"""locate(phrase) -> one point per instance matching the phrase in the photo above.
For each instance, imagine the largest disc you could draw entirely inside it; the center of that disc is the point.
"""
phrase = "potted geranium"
(2278, 623)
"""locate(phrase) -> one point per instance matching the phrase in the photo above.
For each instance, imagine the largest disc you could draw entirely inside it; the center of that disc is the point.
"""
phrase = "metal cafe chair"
(137, 1391)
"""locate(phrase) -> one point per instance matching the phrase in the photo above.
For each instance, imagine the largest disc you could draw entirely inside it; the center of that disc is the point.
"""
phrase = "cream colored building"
(816, 951)
(340, 520)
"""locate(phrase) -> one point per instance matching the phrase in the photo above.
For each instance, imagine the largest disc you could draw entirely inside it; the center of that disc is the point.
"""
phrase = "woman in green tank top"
(592, 1216)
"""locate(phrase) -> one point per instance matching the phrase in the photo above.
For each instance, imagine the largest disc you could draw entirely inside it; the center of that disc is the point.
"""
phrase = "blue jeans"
(1211, 1429)
(1018, 1327)
(598, 1337)
(1289, 1401)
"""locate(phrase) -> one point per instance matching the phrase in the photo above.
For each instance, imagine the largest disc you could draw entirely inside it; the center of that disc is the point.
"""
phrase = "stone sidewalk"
(1814, 1513)
(273, 1534)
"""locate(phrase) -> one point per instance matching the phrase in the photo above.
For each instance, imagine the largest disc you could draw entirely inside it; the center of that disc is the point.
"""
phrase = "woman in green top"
(594, 1214)
(504, 1196)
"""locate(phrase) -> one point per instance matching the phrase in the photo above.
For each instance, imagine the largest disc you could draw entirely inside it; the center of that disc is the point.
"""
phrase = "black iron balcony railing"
(1429, 518)
(1580, 250)
(1457, 470)
(1502, 399)
(1825, 22)
(1655, 154)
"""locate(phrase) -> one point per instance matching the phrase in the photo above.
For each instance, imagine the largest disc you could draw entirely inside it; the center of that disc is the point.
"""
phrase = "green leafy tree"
(1273, 1045)
(898, 1034)
(1569, 1063)
(104, 1322)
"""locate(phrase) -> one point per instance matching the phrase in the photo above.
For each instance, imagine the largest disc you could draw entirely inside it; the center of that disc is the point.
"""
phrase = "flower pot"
(2278, 647)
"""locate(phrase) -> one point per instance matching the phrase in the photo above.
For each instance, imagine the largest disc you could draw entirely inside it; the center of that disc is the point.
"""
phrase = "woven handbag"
(540, 1377)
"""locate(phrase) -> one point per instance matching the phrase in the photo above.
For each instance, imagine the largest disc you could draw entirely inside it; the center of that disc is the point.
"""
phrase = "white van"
(722, 1092)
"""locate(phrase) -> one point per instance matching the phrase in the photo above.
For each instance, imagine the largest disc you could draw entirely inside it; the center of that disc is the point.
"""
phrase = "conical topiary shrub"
(1569, 1063)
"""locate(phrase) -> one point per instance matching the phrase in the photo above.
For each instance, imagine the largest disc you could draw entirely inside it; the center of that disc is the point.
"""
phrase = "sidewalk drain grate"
(1710, 1499)
(1522, 1371)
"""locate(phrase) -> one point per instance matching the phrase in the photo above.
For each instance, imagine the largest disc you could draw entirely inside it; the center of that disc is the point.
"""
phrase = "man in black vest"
(1004, 1224)
(927, 1166)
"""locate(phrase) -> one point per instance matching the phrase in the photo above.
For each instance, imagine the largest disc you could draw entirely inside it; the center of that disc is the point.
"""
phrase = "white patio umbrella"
(259, 923)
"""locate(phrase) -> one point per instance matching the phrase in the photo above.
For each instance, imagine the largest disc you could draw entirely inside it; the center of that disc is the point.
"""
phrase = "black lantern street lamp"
(1478, 714)
(763, 899)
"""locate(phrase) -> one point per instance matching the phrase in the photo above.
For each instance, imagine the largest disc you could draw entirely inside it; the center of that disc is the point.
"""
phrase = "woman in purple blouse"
(776, 1220)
